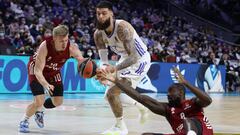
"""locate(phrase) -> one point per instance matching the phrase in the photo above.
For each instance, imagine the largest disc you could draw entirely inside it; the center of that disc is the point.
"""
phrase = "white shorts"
(135, 72)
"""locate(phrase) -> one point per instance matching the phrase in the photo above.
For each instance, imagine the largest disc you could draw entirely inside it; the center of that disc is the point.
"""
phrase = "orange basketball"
(87, 68)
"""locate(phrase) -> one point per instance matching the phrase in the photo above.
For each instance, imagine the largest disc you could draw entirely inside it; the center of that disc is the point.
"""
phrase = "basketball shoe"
(24, 126)
(39, 118)
(117, 129)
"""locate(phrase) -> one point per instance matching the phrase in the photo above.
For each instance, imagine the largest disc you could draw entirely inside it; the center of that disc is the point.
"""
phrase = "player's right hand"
(179, 76)
(49, 88)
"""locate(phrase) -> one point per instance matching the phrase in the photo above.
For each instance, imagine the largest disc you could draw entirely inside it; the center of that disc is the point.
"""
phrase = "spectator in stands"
(171, 57)
(17, 41)
(159, 31)
(212, 59)
(5, 44)
(89, 54)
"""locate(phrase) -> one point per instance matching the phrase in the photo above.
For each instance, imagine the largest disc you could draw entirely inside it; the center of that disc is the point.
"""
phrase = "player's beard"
(174, 102)
(104, 25)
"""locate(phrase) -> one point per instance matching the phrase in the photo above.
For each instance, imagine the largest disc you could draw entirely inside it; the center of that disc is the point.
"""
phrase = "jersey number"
(57, 77)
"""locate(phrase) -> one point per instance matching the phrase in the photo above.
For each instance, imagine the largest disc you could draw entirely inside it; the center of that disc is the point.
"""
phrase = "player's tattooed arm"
(125, 33)
(99, 40)
(102, 49)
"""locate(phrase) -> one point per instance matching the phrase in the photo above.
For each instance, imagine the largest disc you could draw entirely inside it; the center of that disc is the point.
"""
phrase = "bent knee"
(58, 103)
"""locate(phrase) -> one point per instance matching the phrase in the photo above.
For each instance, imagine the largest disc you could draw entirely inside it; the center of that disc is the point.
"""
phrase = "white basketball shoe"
(117, 129)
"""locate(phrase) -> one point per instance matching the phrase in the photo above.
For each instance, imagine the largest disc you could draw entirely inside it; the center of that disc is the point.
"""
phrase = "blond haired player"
(44, 74)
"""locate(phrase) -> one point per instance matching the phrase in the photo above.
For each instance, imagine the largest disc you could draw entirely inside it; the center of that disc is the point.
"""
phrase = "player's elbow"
(208, 101)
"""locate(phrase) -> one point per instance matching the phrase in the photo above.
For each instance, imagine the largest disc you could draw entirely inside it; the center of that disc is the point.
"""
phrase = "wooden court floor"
(90, 114)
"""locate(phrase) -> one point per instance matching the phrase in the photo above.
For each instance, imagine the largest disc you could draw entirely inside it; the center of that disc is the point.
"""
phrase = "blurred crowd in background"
(24, 24)
(223, 12)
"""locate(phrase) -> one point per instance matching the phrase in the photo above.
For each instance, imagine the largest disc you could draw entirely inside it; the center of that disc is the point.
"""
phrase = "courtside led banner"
(14, 77)
(160, 76)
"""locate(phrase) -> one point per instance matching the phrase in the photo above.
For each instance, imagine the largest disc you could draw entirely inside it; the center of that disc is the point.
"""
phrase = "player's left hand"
(179, 76)
(105, 75)
(110, 68)
(110, 76)
(100, 78)
(103, 72)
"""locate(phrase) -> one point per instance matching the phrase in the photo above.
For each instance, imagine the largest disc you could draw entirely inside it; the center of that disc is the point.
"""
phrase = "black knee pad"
(48, 104)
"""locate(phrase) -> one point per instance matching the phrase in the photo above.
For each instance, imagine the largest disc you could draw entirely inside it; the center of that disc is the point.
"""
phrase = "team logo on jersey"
(53, 66)
(187, 106)
(49, 58)
(173, 74)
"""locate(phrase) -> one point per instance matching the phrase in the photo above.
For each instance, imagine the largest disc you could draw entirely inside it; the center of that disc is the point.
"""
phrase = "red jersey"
(188, 109)
(54, 62)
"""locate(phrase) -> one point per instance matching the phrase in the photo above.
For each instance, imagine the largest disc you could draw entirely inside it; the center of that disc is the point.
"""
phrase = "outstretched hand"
(103, 75)
(179, 76)
(110, 68)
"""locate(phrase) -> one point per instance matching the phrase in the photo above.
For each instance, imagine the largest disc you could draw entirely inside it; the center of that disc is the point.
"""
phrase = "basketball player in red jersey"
(44, 74)
(185, 116)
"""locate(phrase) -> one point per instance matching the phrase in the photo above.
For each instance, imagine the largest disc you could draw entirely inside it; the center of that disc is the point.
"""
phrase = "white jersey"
(136, 71)
(117, 46)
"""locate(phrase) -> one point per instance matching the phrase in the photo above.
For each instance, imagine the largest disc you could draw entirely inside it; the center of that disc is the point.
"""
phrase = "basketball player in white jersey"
(133, 65)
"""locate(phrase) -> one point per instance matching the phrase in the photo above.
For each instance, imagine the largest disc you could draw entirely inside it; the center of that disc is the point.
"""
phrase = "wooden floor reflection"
(90, 115)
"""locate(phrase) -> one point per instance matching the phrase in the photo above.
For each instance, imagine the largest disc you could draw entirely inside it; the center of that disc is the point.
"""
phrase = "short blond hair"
(60, 30)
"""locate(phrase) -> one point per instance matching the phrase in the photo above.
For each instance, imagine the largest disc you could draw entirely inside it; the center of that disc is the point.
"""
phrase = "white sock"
(191, 132)
(25, 117)
(119, 120)
(120, 123)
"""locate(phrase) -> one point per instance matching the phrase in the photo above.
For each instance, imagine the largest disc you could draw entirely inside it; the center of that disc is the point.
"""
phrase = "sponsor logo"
(173, 75)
